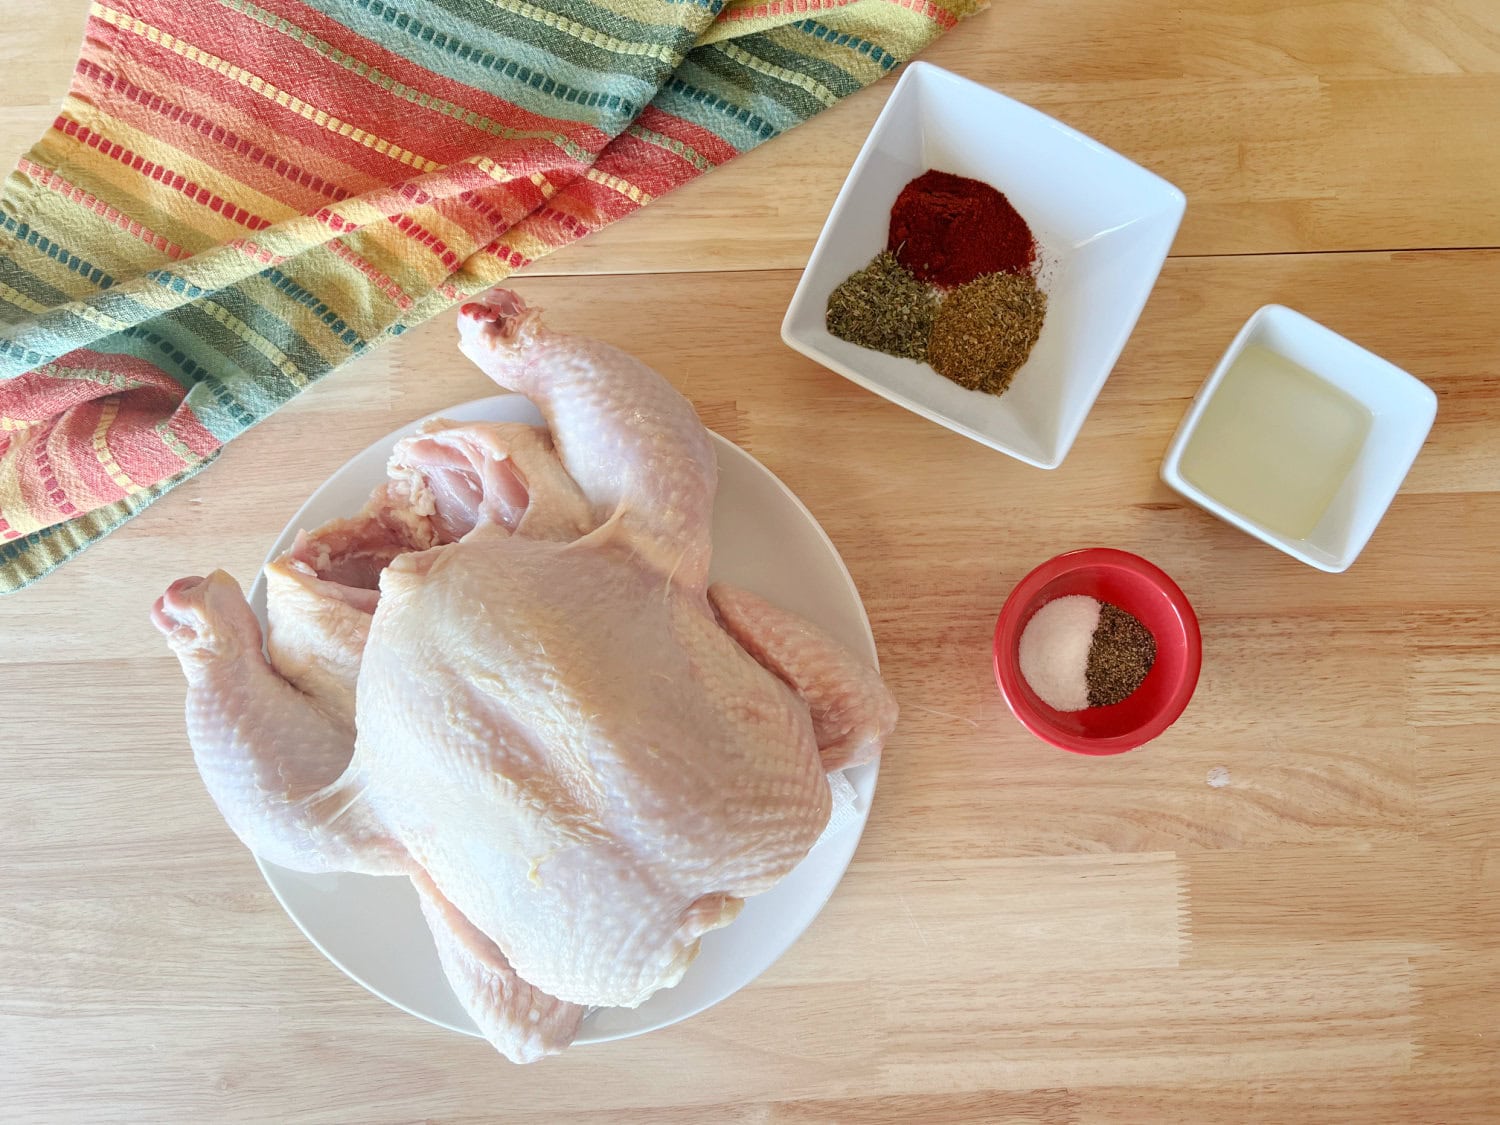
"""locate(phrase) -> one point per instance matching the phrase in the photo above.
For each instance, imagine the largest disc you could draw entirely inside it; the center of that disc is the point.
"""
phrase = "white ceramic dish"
(1103, 226)
(1402, 410)
(765, 540)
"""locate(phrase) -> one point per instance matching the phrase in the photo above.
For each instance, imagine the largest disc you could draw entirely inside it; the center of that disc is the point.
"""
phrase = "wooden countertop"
(1024, 935)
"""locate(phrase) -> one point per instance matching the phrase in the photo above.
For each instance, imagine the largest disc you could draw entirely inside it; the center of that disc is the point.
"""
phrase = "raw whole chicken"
(508, 680)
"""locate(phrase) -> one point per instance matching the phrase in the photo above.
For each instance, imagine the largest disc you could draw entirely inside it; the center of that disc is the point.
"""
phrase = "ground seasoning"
(954, 288)
(1078, 652)
(949, 230)
(1122, 652)
(984, 331)
(885, 308)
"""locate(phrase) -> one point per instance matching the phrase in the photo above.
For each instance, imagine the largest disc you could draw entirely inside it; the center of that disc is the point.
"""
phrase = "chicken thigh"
(508, 680)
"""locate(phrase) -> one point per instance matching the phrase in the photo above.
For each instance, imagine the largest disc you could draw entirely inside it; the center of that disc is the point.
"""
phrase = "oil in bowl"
(1275, 443)
(1301, 438)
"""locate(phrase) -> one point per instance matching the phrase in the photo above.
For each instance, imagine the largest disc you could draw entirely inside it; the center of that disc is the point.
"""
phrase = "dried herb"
(984, 331)
(885, 308)
(1121, 654)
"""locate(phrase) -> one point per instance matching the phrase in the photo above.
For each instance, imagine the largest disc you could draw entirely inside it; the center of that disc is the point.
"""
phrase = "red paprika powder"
(948, 230)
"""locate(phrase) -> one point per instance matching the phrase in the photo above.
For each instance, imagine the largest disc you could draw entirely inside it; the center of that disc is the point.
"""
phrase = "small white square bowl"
(1102, 224)
(1402, 410)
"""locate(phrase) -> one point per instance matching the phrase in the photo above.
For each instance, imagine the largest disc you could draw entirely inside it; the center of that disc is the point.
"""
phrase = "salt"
(1055, 651)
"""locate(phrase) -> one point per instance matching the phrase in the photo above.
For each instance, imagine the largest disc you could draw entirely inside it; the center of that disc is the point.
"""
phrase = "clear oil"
(1275, 443)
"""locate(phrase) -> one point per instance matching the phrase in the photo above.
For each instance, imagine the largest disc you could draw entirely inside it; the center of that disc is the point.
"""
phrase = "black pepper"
(1121, 655)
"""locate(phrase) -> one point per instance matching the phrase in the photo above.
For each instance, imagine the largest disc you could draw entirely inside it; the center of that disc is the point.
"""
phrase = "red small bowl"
(1137, 587)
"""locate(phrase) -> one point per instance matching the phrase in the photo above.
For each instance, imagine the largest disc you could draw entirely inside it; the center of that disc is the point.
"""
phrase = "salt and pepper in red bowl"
(1139, 588)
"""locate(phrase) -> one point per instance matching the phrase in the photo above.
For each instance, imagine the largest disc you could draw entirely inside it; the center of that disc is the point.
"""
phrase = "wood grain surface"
(1024, 936)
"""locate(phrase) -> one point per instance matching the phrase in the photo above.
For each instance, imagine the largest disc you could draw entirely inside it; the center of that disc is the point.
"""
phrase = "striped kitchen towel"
(240, 195)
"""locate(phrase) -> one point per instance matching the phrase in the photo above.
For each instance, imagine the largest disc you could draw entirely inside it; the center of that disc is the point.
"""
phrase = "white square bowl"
(1402, 410)
(1102, 224)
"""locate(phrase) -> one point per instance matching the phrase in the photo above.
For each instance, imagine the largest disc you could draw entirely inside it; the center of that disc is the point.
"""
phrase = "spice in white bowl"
(954, 287)
(885, 308)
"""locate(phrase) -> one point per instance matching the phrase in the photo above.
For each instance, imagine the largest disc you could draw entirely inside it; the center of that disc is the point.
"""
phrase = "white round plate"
(765, 540)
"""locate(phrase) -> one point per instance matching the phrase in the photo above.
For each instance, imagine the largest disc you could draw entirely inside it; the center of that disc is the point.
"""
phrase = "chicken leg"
(275, 764)
(632, 443)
